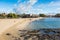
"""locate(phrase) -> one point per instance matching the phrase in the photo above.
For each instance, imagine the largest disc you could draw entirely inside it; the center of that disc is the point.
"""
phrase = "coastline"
(13, 24)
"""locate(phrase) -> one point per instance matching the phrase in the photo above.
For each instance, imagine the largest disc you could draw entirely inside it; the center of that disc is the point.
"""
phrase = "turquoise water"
(44, 23)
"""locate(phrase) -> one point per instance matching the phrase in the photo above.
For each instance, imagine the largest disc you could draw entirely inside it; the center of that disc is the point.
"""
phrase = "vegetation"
(24, 15)
(3, 15)
(57, 15)
(42, 15)
(10, 15)
(14, 15)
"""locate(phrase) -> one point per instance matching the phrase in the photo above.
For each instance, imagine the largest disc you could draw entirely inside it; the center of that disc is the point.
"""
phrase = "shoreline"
(14, 26)
(13, 32)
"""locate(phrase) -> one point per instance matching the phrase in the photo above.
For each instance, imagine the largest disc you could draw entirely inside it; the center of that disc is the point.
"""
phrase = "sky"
(30, 6)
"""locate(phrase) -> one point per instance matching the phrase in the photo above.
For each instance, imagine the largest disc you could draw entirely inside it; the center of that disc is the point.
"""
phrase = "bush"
(3, 15)
(57, 15)
(12, 15)
(42, 15)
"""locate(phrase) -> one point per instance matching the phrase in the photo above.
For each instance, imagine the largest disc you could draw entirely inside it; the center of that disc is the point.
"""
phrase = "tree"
(3, 15)
(12, 15)
(18, 15)
(42, 15)
(57, 15)
(23, 15)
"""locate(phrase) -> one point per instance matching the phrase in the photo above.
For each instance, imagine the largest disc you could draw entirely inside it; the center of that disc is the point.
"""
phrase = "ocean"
(48, 23)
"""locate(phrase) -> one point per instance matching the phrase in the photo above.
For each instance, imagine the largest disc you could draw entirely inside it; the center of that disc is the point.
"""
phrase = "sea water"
(44, 23)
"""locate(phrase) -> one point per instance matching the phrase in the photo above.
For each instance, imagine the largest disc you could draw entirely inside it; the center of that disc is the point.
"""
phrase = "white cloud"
(27, 7)
(32, 2)
(52, 7)
(54, 3)
(55, 7)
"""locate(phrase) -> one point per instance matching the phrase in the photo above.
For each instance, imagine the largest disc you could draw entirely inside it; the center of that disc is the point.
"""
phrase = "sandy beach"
(13, 25)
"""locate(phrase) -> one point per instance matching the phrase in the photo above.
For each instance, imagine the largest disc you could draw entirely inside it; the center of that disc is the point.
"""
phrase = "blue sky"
(30, 6)
(7, 5)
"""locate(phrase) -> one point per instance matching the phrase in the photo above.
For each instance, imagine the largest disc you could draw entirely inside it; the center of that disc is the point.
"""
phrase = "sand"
(13, 25)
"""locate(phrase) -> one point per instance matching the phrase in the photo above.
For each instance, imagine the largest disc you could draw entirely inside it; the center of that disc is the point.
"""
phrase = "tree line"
(14, 15)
